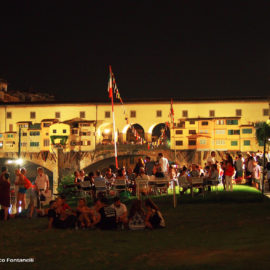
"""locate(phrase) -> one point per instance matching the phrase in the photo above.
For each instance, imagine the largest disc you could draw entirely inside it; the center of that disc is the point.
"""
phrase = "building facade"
(203, 125)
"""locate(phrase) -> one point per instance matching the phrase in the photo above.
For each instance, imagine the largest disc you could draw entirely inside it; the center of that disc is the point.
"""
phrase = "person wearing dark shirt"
(149, 166)
(107, 216)
(5, 193)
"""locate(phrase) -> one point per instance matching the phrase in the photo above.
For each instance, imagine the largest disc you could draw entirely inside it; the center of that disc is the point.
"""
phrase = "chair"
(120, 185)
(100, 186)
(183, 183)
(141, 186)
(85, 188)
(161, 183)
(198, 182)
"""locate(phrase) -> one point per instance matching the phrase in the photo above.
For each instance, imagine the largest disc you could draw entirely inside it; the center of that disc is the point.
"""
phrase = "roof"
(210, 118)
(145, 100)
(50, 120)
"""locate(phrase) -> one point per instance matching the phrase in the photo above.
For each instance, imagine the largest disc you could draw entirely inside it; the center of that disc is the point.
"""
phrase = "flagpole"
(114, 131)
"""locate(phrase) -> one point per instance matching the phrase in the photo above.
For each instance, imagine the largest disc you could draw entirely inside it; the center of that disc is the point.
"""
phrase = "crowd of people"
(105, 216)
(240, 169)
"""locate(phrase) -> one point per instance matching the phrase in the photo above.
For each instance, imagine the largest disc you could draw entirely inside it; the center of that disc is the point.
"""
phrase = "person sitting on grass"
(60, 218)
(107, 216)
(136, 218)
(121, 212)
(84, 214)
(154, 218)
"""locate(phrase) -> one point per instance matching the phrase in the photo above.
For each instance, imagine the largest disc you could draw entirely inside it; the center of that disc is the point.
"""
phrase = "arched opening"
(135, 134)
(161, 134)
(105, 133)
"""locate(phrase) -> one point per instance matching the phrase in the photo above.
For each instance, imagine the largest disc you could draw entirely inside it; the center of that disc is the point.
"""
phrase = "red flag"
(110, 84)
(172, 113)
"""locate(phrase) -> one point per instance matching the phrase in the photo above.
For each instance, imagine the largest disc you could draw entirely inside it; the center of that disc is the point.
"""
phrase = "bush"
(66, 181)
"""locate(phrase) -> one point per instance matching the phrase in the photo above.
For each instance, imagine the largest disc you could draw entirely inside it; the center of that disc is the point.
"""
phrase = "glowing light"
(9, 161)
(19, 161)
(107, 130)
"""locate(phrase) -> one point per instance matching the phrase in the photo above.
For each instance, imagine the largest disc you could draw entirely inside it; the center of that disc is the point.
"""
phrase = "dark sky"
(156, 48)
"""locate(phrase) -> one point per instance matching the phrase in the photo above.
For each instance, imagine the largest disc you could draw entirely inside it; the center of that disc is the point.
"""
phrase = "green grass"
(227, 230)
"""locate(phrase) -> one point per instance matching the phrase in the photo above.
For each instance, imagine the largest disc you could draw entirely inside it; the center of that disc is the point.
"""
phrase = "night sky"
(157, 49)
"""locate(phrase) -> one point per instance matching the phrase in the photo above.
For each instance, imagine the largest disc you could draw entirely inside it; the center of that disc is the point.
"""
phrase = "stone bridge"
(65, 163)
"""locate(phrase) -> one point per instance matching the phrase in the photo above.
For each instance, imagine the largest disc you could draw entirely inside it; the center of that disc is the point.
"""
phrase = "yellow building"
(203, 125)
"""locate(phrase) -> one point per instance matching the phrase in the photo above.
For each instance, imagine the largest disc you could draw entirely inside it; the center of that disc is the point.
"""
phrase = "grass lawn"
(224, 230)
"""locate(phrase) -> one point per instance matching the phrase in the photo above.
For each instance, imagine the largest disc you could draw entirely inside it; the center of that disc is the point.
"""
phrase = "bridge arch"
(135, 134)
(161, 134)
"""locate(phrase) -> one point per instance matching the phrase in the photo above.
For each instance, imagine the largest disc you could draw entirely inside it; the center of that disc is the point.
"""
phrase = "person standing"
(229, 172)
(149, 166)
(211, 159)
(164, 163)
(42, 184)
(5, 193)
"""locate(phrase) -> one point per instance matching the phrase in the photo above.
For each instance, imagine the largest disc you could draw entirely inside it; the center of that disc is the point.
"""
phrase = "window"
(46, 142)
(34, 133)
(232, 122)
(191, 131)
(88, 142)
(54, 131)
(234, 143)
(85, 133)
(84, 124)
(220, 131)
(179, 143)
(203, 131)
(220, 142)
(238, 112)
(10, 127)
(159, 113)
(9, 115)
(185, 113)
(24, 144)
(47, 134)
(202, 142)
(212, 113)
(191, 142)
(33, 115)
(107, 114)
(265, 112)
(233, 132)
(82, 114)
(46, 124)
(133, 114)
(247, 142)
(64, 131)
(192, 122)
(181, 124)
(247, 130)
(74, 131)
(24, 134)
(10, 135)
(57, 115)
(220, 122)
(204, 123)
(34, 144)
(178, 131)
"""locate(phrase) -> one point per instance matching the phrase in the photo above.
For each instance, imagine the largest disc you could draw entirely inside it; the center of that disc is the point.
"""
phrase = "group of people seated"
(105, 216)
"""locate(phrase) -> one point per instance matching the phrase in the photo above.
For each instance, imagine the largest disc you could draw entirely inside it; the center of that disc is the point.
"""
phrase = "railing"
(131, 147)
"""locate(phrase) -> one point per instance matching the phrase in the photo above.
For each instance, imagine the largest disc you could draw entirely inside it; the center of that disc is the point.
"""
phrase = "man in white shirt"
(42, 183)
(211, 159)
(164, 163)
(121, 211)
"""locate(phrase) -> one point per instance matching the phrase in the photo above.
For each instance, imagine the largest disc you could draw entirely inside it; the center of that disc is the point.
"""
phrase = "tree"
(262, 132)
